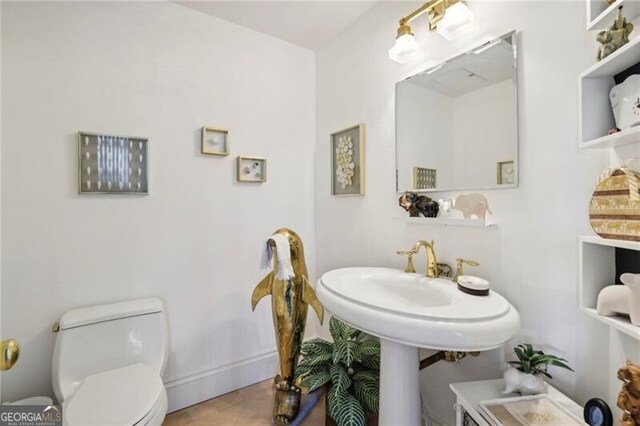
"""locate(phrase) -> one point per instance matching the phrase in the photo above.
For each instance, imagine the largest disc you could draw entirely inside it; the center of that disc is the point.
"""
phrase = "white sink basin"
(417, 311)
(410, 311)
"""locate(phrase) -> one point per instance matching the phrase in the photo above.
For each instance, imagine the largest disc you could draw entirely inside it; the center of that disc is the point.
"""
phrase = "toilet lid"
(123, 396)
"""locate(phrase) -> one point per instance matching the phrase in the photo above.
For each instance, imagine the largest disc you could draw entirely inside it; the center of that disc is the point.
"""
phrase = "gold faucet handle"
(409, 268)
(459, 262)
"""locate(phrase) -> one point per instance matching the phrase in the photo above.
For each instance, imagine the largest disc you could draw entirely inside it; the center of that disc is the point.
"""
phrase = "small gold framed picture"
(347, 161)
(215, 141)
(251, 169)
(506, 173)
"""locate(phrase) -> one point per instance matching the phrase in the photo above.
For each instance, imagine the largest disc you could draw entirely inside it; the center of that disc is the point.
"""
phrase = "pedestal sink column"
(399, 385)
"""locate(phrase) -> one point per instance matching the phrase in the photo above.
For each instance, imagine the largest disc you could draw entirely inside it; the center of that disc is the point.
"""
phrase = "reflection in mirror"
(457, 123)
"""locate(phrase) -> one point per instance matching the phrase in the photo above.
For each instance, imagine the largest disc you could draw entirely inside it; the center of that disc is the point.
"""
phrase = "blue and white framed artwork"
(111, 164)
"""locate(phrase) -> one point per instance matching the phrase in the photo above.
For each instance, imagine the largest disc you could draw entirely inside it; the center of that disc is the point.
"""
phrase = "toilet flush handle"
(9, 353)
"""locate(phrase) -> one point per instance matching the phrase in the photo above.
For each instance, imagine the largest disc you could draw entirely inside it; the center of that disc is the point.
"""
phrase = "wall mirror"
(457, 122)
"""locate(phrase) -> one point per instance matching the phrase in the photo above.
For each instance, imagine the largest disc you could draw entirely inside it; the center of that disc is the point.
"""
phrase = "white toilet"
(108, 361)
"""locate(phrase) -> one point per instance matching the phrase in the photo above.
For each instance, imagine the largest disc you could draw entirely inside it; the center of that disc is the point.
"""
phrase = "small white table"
(469, 394)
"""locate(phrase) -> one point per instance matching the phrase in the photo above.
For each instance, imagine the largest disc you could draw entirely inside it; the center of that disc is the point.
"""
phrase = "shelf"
(618, 61)
(594, 85)
(618, 322)
(605, 19)
(624, 137)
(594, 239)
(438, 221)
(597, 271)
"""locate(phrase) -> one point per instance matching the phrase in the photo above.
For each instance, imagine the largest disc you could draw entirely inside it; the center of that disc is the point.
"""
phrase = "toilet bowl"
(34, 400)
(108, 362)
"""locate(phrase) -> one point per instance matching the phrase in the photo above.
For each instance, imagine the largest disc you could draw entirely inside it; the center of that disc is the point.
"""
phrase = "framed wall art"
(109, 164)
(347, 161)
(251, 169)
(215, 141)
(506, 173)
(424, 178)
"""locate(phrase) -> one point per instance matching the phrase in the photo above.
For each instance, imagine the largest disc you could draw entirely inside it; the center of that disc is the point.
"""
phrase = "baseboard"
(190, 390)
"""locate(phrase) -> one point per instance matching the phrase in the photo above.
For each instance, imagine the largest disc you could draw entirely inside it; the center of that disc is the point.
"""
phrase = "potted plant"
(526, 374)
(349, 367)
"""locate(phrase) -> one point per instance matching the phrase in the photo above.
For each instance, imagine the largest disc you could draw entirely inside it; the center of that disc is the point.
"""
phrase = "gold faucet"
(459, 263)
(432, 262)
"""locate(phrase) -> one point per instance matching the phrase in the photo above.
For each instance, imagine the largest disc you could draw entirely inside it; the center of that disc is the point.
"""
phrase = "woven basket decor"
(615, 205)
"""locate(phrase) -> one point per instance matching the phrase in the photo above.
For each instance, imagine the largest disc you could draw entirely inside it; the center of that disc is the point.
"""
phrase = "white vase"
(527, 384)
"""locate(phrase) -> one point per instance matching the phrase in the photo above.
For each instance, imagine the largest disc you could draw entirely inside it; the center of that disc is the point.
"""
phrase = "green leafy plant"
(532, 361)
(349, 366)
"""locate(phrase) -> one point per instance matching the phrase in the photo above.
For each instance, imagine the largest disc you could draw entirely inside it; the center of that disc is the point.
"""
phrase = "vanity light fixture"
(456, 21)
(450, 18)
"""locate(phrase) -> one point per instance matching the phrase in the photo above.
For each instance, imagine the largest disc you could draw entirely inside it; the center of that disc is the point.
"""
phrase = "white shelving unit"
(444, 221)
(601, 16)
(597, 270)
(594, 85)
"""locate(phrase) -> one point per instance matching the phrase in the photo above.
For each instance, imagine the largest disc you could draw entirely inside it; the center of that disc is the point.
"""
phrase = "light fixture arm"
(434, 9)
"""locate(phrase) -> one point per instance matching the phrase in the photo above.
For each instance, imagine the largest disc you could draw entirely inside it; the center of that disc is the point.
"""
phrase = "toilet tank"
(101, 338)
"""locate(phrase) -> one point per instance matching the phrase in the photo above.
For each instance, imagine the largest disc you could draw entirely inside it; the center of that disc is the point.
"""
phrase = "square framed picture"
(424, 178)
(251, 169)
(215, 141)
(506, 173)
(109, 164)
(347, 161)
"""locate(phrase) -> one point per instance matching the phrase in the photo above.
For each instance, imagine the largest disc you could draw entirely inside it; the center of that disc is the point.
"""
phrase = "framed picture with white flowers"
(347, 161)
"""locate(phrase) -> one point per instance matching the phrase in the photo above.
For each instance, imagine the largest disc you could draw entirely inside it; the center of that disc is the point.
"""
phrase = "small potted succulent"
(349, 369)
(526, 374)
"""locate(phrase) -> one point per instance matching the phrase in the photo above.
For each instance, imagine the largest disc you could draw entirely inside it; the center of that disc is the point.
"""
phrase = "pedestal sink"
(410, 311)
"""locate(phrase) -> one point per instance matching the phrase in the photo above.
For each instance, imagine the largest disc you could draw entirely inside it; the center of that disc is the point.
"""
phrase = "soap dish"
(473, 285)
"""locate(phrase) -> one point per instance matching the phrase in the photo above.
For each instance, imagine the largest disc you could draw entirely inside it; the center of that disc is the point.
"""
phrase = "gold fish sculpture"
(289, 302)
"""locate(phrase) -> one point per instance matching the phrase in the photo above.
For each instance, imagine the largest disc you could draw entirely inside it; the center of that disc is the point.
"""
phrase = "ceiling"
(469, 71)
(310, 24)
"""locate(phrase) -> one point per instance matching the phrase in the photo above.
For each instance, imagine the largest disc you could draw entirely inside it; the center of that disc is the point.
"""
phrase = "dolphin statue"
(289, 302)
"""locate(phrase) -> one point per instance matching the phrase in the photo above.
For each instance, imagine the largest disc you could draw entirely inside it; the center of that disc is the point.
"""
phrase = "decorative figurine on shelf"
(615, 37)
(629, 396)
(291, 295)
(418, 204)
(621, 299)
(472, 205)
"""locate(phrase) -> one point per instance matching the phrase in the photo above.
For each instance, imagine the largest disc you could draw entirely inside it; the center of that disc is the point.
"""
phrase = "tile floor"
(250, 406)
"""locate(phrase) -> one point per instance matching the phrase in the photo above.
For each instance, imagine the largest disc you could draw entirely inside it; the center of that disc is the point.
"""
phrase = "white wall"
(531, 256)
(162, 71)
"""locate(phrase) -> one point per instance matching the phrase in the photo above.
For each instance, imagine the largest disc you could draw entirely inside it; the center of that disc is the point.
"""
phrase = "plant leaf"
(314, 381)
(369, 348)
(558, 363)
(345, 351)
(339, 377)
(316, 359)
(316, 347)
(335, 329)
(371, 362)
(349, 332)
(368, 393)
(345, 409)
(519, 353)
(304, 370)
(367, 376)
